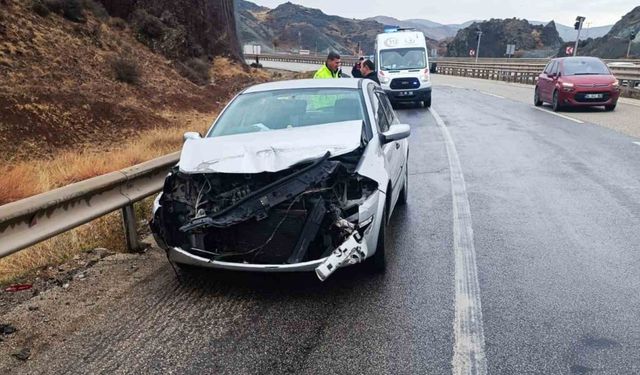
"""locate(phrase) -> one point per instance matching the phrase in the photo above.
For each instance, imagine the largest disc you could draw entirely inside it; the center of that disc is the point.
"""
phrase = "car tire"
(377, 263)
(536, 97)
(427, 103)
(555, 103)
(610, 108)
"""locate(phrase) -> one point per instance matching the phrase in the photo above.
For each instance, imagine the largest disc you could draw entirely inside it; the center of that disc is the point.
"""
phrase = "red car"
(577, 82)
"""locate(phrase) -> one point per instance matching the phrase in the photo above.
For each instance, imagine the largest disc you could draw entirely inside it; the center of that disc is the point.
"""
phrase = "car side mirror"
(191, 135)
(396, 132)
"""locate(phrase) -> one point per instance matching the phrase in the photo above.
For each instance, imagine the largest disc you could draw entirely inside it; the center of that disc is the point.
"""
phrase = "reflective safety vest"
(325, 72)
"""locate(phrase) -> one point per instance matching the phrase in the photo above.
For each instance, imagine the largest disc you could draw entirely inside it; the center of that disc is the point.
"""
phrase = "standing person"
(355, 71)
(368, 71)
(331, 67)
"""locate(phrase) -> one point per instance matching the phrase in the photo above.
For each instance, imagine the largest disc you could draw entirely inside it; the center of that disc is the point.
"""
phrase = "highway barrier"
(28, 221)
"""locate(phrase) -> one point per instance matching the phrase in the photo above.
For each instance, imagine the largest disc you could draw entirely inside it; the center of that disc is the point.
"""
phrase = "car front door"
(395, 151)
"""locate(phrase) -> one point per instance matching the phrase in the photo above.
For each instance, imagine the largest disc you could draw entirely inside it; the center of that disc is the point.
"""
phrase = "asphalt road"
(555, 209)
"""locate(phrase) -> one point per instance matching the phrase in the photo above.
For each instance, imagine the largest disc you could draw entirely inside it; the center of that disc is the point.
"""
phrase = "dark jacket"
(355, 71)
(373, 76)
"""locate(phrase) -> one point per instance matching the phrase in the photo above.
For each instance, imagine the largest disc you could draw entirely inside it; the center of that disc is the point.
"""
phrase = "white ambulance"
(403, 65)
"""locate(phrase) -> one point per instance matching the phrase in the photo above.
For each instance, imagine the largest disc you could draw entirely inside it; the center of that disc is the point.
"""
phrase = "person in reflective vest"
(331, 68)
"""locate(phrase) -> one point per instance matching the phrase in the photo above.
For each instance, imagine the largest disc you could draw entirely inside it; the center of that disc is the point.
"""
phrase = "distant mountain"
(569, 33)
(439, 31)
(290, 27)
(433, 30)
(530, 40)
(614, 44)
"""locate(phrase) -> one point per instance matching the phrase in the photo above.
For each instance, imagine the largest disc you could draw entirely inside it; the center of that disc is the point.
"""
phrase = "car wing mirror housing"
(191, 135)
(396, 132)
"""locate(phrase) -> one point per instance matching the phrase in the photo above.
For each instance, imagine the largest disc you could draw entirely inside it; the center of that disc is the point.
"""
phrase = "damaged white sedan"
(293, 176)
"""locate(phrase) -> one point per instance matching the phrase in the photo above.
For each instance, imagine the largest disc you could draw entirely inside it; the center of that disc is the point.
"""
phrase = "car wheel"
(404, 193)
(536, 98)
(609, 108)
(427, 103)
(556, 103)
(378, 263)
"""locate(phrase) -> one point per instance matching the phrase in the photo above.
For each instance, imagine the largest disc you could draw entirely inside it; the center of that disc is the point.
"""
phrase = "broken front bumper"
(354, 250)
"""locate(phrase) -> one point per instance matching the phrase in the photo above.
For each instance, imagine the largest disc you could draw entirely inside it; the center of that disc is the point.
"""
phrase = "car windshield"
(584, 66)
(282, 109)
(403, 58)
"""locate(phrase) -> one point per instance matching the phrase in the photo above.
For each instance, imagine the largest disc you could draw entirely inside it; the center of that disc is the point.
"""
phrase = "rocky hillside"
(183, 28)
(614, 44)
(530, 40)
(76, 75)
(290, 27)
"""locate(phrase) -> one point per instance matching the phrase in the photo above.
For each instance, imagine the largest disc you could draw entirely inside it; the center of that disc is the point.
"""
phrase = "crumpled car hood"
(269, 151)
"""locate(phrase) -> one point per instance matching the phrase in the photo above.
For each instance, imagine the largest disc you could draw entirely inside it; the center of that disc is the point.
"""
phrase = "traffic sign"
(472, 52)
(568, 51)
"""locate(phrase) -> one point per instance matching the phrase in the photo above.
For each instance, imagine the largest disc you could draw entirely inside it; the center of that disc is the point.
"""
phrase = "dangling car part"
(297, 182)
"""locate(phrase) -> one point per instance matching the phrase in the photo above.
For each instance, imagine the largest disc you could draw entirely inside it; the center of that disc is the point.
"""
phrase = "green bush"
(195, 70)
(118, 23)
(98, 10)
(126, 70)
(148, 25)
(73, 10)
(39, 8)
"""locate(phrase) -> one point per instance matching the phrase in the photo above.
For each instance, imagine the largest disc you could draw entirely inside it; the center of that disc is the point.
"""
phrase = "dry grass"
(25, 179)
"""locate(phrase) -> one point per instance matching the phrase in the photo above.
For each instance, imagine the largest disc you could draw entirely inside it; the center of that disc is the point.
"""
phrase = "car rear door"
(546, 81)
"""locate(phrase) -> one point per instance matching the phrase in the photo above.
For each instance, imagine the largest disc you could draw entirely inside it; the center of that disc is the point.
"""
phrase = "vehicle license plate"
(406, 93)
(593, 96)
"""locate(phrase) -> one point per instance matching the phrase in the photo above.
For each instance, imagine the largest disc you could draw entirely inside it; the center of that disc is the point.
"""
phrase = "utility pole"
(632, 36)
(479, 33)
(578, 26)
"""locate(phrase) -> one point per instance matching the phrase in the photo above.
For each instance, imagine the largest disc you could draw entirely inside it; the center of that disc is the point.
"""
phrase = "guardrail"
(35, 219)
(301, 59)
(309, 59)
(527, 73)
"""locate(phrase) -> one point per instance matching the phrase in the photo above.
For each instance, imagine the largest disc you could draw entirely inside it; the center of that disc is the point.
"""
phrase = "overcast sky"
(598, 12)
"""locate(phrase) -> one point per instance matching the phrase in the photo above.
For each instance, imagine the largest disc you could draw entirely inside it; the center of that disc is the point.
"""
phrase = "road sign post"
(578, 26)
(477, 51)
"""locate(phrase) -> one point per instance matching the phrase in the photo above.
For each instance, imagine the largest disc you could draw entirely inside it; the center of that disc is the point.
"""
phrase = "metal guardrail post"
(130, 225)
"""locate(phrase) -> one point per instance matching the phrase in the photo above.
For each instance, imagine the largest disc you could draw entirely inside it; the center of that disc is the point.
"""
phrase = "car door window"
(547, 69)
(388, 109)
(556, 68)
(382, 118)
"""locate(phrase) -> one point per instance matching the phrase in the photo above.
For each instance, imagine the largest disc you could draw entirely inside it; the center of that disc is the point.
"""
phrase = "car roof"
(578, 58)
(338, 83)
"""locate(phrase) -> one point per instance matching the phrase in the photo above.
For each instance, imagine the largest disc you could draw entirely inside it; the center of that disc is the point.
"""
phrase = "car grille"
(404, 83)
(580, 97)
(593, 85)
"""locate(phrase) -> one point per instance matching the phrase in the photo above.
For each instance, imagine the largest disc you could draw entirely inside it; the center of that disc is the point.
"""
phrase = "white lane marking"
(494, 95)
(638, 143)
(559, 115)
(468, 348)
